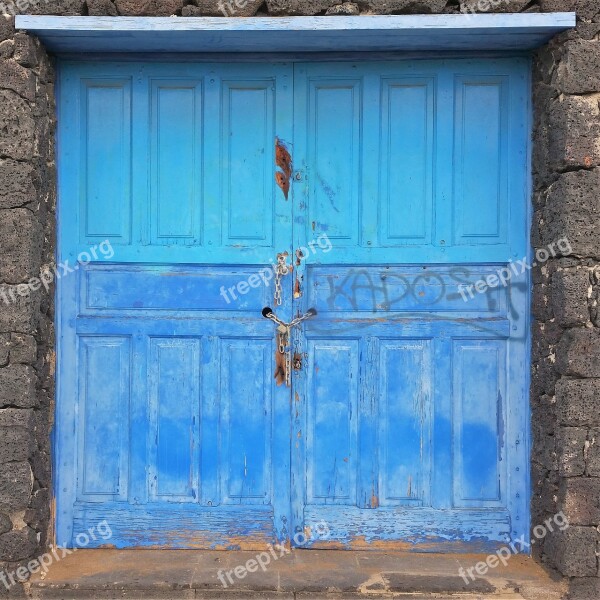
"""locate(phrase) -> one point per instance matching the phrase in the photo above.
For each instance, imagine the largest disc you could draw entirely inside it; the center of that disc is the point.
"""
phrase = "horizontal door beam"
(373, 33)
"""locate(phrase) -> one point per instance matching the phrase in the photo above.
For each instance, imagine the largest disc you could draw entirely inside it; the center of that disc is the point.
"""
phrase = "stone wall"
(566, 336)
(27, 231)
(565, 392)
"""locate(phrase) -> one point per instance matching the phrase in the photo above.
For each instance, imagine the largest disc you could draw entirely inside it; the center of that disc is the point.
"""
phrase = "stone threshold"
(300, 574)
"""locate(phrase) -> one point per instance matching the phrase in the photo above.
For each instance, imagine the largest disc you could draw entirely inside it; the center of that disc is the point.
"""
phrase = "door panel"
(481, 147)
(105, 185)
(332, 435)
(479, 450)
(406, 373)
(430, 430)
(104, 393)
(176, 173)
(174, 410)
(174, 163)
(166, 360)
(407, 163)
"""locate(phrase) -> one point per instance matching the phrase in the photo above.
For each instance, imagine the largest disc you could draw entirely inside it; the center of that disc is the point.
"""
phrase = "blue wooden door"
(386, 186)
(410, 414)
(169, 423)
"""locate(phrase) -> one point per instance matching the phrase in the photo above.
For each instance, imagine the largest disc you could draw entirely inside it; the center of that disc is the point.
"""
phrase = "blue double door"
(387, 188)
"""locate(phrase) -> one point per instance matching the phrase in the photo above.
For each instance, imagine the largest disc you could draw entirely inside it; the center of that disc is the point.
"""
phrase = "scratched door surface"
(169, 422)
(406, 425)
(410, 413)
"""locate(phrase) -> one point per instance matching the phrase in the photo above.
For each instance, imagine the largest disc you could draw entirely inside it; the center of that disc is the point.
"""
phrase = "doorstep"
(298, 575)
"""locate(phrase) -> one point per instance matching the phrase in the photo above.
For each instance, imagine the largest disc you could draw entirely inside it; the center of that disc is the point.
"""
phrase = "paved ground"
(301, 575)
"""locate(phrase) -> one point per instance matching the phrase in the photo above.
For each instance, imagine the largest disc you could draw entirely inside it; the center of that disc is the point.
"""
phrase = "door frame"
(39, 25)
(66, 294)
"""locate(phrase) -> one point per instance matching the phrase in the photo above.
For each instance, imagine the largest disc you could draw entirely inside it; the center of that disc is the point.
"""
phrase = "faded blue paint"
(345, 33)
(408, 422)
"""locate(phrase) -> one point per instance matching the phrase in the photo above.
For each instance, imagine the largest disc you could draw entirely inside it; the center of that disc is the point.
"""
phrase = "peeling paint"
(279, 367)
(283, 161)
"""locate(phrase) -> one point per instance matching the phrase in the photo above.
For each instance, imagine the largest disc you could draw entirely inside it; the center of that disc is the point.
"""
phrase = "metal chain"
(288, 365)
(287, 338)
(282, 342)
(281, 270)
(284, 348)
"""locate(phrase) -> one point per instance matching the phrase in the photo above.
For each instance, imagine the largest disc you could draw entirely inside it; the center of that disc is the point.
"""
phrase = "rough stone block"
(347, 8)
(544, 414)
(579, 71)
(584, 588)
(16, 444)
(17, 545)
(222, 8)
(541, 307)
(23, 349)
(7, 28)
(101, 8)
(16, 126)
(17, 78)
(492, 6)
(299, 7)
(578, 353)
(570, 291)
(38, 515)
(56, 7)
(4, 349)
(18, 183)
(581, 500)
(573, 211)
(17, 386)
(21, 239)
(585, 9)
(5, 523)
(574, 132)
(545, 337)
(28, 51)
(593, 453)
(545, 498)
(573, 551)
(570, 449)
(578, 402)
(18, 313)
(388, 7)
(16, 485)
(7, 48)
(152, 8)
(544, 448)
(543, 378)
(17, 417)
